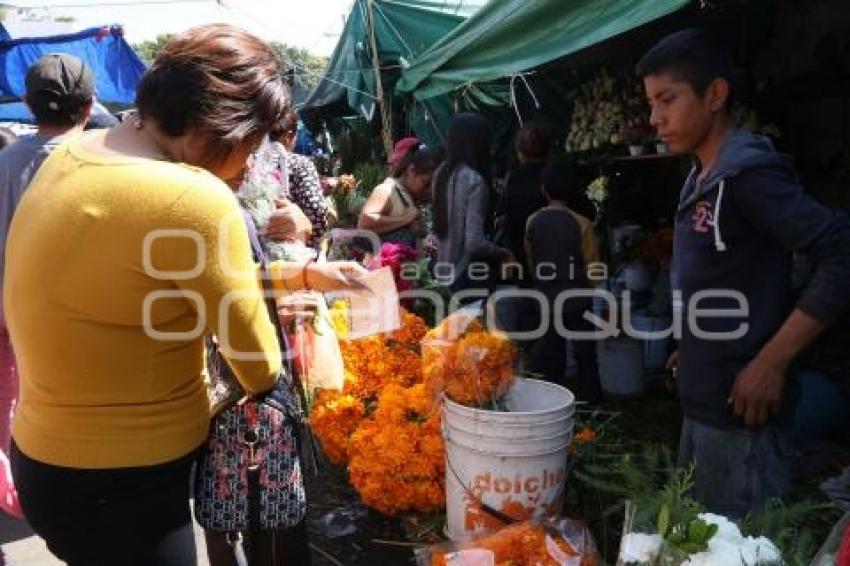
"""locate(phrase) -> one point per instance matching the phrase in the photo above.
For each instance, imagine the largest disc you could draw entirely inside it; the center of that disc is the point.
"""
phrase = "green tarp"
(511, 36)
(403, 30)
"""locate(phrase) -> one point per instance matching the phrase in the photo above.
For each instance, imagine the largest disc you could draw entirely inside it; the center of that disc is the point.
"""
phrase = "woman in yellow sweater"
(126, 249)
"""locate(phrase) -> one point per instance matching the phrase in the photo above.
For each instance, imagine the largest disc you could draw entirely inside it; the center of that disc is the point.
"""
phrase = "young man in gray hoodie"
(741, 214)
(59, 93)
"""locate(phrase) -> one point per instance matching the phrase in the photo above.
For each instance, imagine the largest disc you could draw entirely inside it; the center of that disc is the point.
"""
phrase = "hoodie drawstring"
(719, 244)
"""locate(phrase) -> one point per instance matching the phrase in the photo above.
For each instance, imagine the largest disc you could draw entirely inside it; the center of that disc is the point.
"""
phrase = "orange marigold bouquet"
(334, 417)
(471, 365)
(552, 543)
(370, 364)
(397, 456)
(374, 361)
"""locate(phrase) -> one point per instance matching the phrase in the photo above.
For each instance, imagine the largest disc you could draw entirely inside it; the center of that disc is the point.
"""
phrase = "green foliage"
(355, 144)
(369, 175)
(611, 470)
(787, 525)
(307, 68)
(148, 50)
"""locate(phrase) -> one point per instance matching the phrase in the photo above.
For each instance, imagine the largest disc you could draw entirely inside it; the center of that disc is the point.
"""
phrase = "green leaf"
(663, 520)
(693, 547)
(698, 531)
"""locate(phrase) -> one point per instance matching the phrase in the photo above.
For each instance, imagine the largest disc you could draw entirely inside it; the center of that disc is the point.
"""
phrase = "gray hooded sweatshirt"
(735, 231)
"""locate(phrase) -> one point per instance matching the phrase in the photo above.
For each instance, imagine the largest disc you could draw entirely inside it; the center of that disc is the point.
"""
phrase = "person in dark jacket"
(741, 214)
(523, 196)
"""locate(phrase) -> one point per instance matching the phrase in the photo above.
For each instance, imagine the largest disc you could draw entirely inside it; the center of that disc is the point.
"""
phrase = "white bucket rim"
(463, 409)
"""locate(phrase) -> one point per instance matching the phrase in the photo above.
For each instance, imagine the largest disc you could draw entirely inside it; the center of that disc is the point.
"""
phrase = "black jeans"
(137, 516)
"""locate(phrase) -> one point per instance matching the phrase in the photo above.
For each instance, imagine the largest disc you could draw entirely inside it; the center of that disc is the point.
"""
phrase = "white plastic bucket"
(514, 462)
(654, 351)
(620, 366)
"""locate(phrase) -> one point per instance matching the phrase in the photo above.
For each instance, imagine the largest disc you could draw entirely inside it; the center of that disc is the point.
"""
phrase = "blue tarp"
(116, 67)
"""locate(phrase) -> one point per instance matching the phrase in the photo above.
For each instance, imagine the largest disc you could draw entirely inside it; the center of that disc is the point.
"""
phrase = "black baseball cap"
(59, 83)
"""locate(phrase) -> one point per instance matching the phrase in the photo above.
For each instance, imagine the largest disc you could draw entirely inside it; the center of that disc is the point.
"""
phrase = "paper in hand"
(375, 309)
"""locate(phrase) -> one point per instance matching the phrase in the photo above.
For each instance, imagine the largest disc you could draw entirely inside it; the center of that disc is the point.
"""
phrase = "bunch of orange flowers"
(471, 365)
(374, 361)
(397, 455)
(525, 544)
(370, 364)
(334, 418)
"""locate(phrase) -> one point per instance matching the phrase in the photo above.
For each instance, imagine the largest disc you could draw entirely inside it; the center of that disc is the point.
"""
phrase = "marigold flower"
(397, 455)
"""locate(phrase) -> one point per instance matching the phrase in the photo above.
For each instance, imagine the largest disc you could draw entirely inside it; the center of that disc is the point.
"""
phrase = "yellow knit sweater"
(99, 387)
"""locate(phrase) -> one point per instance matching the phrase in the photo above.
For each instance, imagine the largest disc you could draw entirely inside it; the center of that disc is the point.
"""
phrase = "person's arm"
(477, 206)
(758, 388)
(219, 277)
(374, 214)
(589, 247)
(288, 222)
(306, 192)
(527, 243)
(775, 203)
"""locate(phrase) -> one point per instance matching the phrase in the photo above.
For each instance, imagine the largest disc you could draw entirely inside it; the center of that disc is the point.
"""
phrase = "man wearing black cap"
(60, 93)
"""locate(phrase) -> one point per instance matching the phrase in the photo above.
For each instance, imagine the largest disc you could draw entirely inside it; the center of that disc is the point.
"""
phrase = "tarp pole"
(386, 124)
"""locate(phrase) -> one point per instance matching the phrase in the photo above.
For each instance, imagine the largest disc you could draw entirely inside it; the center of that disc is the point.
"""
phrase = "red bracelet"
(304, 274)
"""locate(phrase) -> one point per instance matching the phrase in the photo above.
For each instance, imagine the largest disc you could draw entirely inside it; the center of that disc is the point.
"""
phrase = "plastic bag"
(555, 542)
(836, 550)
(8, 494)
(316, 353)
(466, 362)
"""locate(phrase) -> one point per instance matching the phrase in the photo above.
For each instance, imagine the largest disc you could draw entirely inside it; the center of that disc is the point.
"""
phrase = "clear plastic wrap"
(555, 542)
(468, 364)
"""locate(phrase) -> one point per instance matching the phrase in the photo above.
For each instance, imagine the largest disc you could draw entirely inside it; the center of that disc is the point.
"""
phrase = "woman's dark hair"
(691, 56)
(467, 143)
(533, 141)
(422, 159)
(219, 79)
(286, 125)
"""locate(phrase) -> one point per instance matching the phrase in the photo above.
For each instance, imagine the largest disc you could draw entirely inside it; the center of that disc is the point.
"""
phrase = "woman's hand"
(336, 276)
(288, 222)
(297, 306)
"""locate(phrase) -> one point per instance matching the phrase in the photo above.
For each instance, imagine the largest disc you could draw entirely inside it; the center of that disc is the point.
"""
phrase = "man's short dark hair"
(561, 180)
(534, 141)
(693, 57)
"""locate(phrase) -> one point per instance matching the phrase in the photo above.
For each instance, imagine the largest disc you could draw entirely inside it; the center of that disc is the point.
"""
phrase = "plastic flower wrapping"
(466, 362)
(552, 543)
